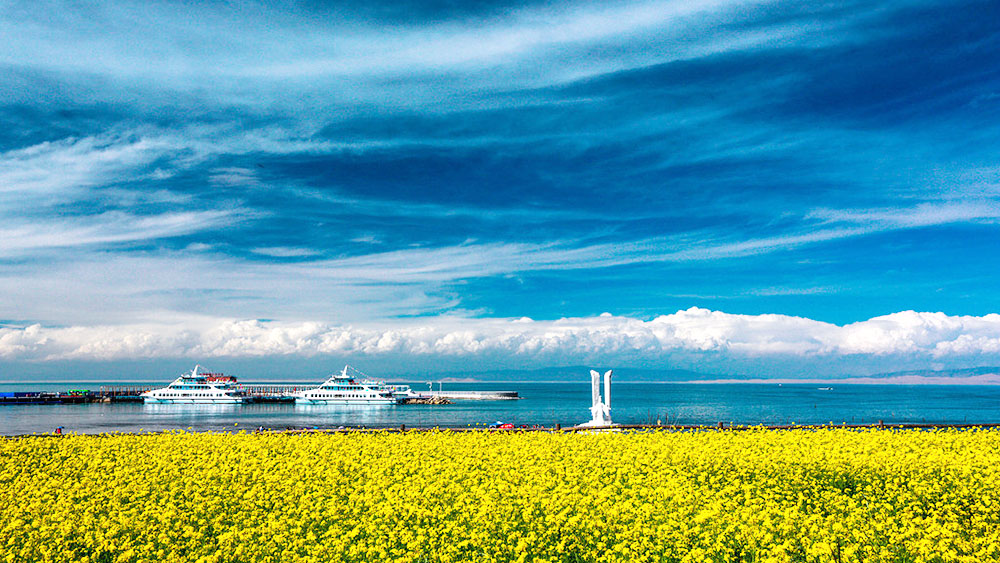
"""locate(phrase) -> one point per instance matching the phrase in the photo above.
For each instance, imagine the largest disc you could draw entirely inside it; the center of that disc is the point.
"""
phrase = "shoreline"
(550, 430)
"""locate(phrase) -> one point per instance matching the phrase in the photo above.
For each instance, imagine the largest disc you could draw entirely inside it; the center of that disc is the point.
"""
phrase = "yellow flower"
(813, 495)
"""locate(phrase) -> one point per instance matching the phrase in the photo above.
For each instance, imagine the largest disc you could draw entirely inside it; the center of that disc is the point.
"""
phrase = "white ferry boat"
(198, 388)
(346, 389)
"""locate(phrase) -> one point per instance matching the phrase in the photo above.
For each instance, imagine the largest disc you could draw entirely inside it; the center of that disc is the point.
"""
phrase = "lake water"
(541, 403)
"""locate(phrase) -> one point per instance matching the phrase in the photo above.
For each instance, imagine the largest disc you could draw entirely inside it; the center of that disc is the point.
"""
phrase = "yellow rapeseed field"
(806, 495)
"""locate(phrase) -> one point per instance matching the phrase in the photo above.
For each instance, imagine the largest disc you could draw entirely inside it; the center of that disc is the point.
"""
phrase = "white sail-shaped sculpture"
(600, 411)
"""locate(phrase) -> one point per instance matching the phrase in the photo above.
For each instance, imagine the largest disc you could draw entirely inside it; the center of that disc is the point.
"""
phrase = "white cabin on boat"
(198, 387)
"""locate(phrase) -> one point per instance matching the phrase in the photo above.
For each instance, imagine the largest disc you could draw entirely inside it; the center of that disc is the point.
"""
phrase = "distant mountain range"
(964, 372)
(985, 375)
(572, 373)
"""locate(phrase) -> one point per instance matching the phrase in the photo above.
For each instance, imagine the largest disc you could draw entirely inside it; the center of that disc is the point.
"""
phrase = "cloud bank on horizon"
(708, 338)
(410, 179)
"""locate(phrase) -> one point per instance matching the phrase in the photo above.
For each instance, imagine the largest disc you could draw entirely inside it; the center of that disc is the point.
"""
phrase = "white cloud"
(99, 286)
(451, 46)
(284, 251)
(18, 236)
(355, 57)
(606, 339)
(921, 215)
(235, 176)
(73, 164)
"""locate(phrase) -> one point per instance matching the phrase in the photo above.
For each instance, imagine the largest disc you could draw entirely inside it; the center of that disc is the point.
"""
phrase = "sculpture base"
(596, 424)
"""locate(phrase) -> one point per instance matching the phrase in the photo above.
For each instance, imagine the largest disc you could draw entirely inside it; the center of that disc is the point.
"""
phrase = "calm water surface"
(541, 403)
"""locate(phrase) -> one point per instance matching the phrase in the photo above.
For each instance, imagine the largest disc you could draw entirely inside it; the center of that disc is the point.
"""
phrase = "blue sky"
(400, 183)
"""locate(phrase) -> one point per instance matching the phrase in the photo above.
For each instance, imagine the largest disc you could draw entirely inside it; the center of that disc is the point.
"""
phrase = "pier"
(121, 393)
(477, 395)
(44, 398)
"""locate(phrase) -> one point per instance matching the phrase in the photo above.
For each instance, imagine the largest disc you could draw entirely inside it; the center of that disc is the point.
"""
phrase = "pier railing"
(116, 391)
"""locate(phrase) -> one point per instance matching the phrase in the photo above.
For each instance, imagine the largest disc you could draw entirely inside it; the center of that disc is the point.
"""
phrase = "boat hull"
(352, 401)
(193, 401)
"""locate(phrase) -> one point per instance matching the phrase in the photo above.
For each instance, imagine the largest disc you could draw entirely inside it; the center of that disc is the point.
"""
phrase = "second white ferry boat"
(198, 388)
(346, 389)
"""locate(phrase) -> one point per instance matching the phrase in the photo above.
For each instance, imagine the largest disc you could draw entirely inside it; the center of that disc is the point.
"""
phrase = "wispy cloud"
(328, 47)
(371, 285)
(75, 164)
(526, 32)
(284, 252)
(921, 215)
(110, 227)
